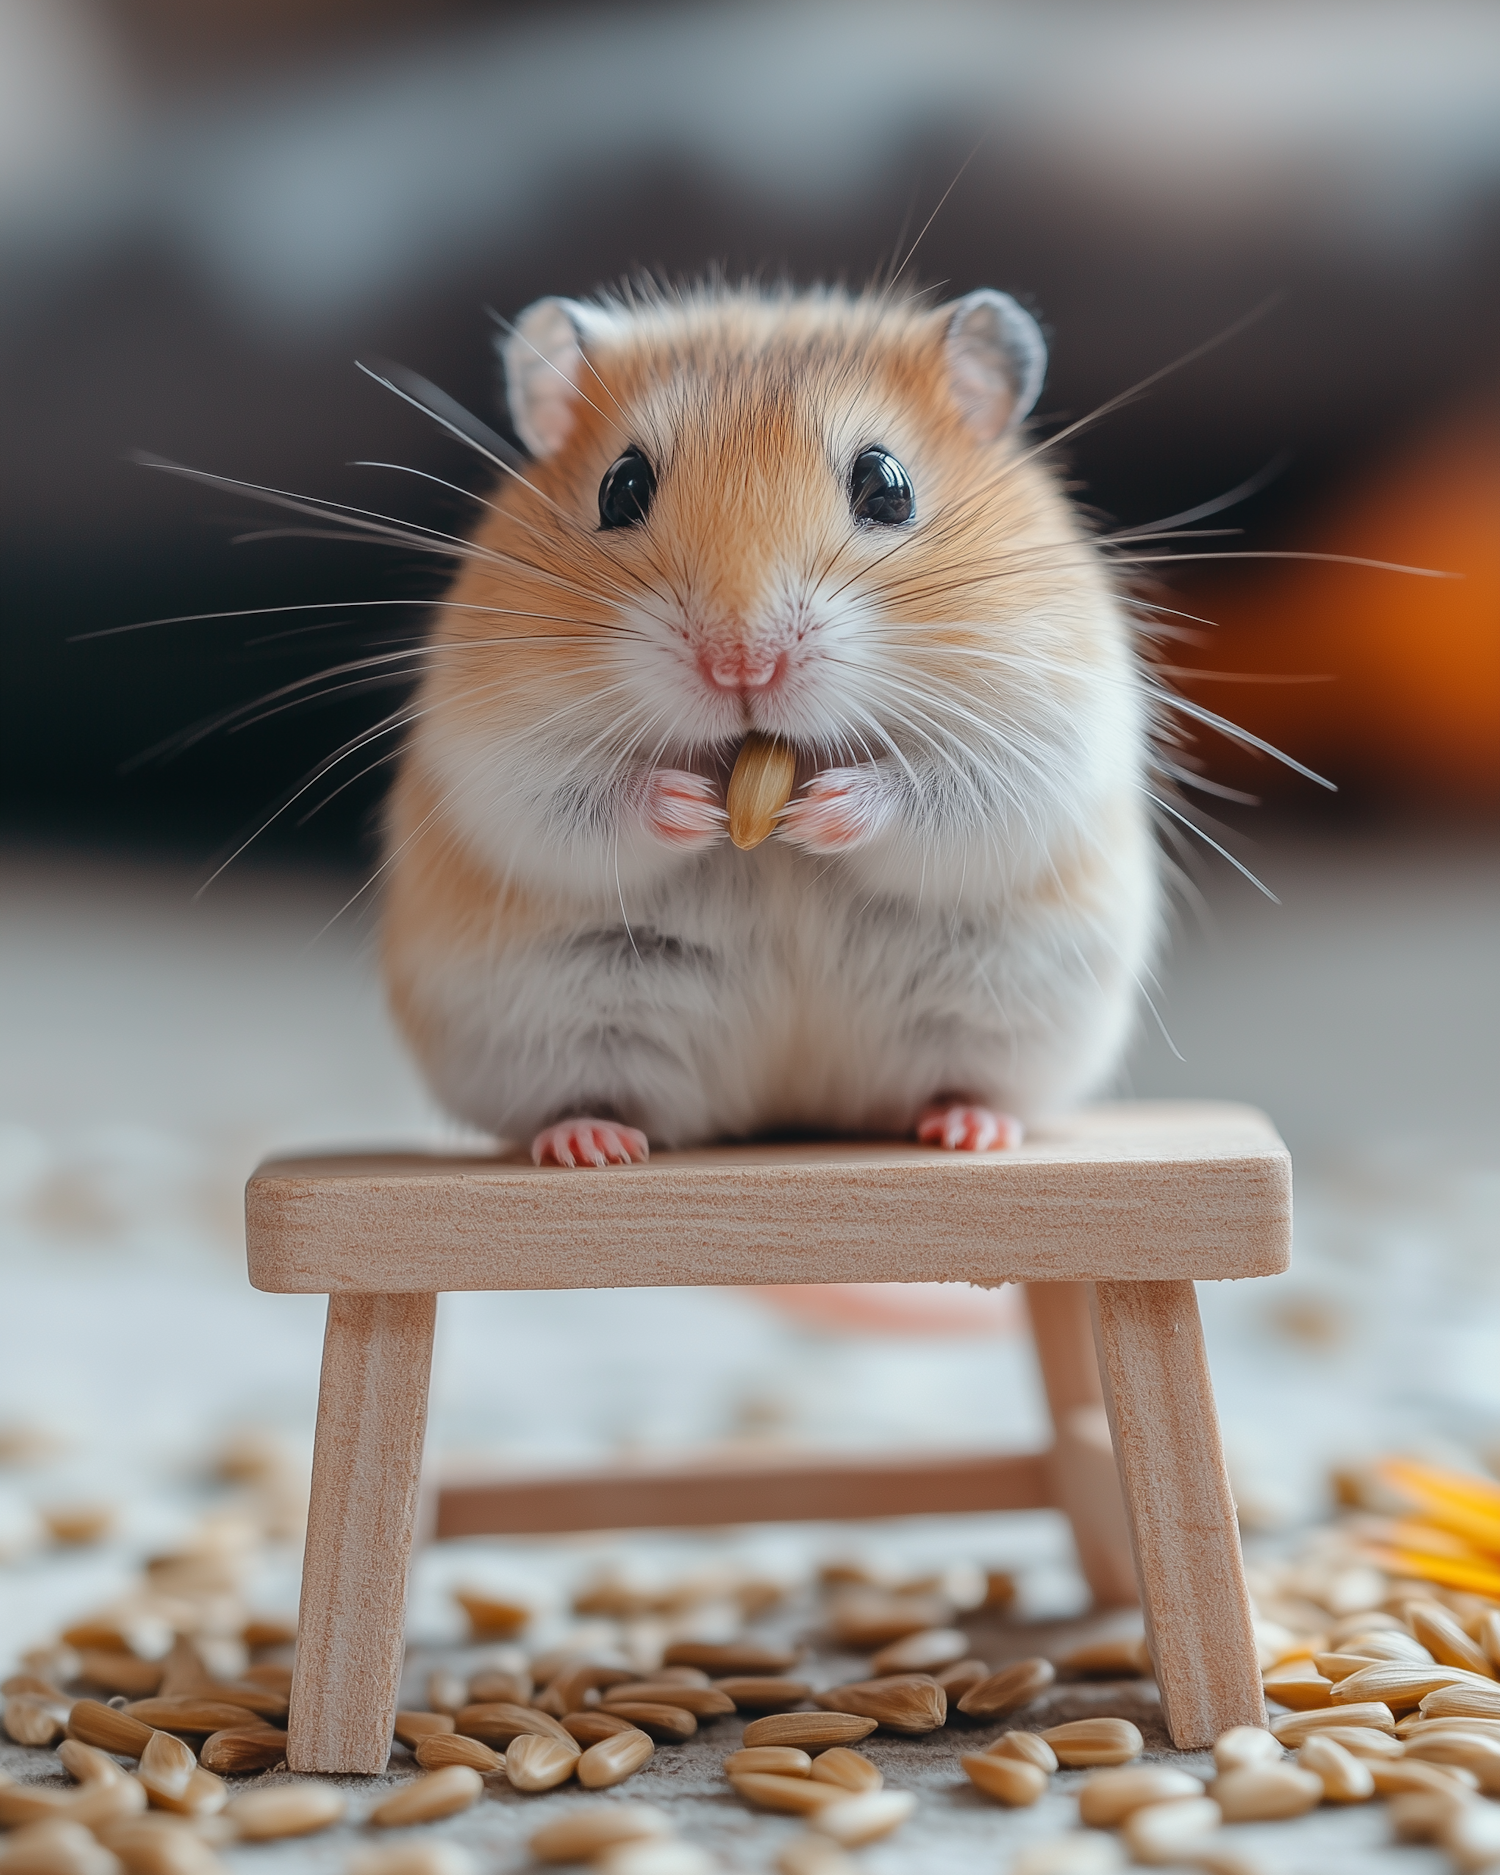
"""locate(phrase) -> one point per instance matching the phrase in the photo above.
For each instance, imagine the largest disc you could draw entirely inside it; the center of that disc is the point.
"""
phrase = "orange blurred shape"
(897, 1308)
(1414, 706)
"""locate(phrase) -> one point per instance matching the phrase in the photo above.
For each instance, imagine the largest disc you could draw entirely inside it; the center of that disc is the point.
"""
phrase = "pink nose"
(740, 668)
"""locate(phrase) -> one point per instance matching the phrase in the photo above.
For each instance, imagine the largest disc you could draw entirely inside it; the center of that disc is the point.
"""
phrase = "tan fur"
(748, 406)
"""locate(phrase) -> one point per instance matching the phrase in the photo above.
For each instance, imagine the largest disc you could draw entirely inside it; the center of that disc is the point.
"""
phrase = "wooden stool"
(1113, 1212)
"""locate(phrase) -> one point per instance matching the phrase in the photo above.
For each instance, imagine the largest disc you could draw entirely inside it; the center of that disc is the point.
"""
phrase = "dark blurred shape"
(174, 41)
(200, 233)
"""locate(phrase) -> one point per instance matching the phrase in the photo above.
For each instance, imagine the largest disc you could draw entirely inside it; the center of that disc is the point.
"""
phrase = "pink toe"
(959, 1128)
(583, 1142)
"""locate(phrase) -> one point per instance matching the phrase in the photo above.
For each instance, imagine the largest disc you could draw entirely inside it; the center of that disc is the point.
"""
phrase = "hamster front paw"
(683, 809)
(840, 809)
(589, 1142)
(958, 1128)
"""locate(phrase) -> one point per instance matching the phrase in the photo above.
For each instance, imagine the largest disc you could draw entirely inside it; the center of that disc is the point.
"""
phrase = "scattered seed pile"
(855, 1716)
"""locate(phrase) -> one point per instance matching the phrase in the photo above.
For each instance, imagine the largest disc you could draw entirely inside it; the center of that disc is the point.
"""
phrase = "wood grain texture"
(1084, 1483)
(367, 1460)
(1179, 1509)
(649, 1496)
(1146, 1191)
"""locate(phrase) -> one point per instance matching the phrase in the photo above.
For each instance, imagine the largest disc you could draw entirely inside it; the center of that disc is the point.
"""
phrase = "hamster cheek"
(840, 809)
(682, 809)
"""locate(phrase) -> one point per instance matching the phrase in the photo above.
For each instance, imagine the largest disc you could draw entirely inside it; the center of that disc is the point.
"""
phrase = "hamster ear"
(543, 359)
(997, 359)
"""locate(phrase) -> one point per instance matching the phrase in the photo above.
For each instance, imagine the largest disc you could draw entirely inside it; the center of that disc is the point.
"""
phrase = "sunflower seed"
(537, 1761)
(732, 1657)
(815, 1855)
(243, 1749)
(1472, 1750)
(29, 1722)
(765, 771)
(498, 1723)
(1170, 1832)
(412, 1727)
(923, 1652)
(1026, 1746)
(290, 1810)
(782, 1760)
(87, 1763)
(1410, 1774)
(57, 1849)
(869, 1817)
(850, 1769)
(1013, 1686)
(582, 1834)
(441, 1749)
(704, 1702)
(800, 1795)
(754, 1693)
(907, 1702)
(667, 1724)
(813, 1731)
(1007, 1780)
(614, 1759)
(1345, 1778)
(1110, 1796)
(1244, 1745)
(1265, 1792)
(1095, 1741)
(167, 1766)
(438, 1794)
(1294, 1728)
(205, 1795)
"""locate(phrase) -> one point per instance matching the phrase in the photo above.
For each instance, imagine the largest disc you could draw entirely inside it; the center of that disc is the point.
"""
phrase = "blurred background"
(208, 214)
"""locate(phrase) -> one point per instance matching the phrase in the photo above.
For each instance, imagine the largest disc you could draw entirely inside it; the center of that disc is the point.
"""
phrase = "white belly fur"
(770, 991)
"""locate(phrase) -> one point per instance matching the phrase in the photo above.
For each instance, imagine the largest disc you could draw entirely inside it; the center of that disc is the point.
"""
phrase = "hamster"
(815, 517)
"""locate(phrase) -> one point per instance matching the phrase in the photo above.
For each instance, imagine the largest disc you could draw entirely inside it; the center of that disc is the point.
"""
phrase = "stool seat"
(1108, 1216)
(1146, 1191)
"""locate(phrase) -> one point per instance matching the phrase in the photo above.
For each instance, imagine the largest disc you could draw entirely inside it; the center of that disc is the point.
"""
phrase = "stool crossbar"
(1108, 1216)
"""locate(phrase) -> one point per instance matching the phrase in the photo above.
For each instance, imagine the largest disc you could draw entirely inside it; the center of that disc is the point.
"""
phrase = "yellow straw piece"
(1470, 1507)
(1478, 1578)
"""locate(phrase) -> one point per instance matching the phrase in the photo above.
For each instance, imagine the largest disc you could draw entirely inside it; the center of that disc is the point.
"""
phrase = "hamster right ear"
(997, 359)
(543, 359)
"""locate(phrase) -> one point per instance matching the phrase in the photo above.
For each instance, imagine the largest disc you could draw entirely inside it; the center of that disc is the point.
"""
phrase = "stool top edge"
(1122, 1133)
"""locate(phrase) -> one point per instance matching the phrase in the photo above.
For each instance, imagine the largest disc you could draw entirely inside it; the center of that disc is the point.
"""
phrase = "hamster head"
(807, 515)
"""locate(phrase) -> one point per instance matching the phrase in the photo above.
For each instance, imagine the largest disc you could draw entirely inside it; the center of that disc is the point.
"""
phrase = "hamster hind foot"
(589, 1142)
(959, 1128)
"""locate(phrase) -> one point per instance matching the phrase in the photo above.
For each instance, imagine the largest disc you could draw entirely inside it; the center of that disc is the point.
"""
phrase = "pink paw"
(589, 1142)
(958, 1128)
(683, 809)
(839, 809)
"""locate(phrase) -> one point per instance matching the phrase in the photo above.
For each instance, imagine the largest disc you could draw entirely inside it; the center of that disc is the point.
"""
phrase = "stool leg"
(367, 1462)
(1085, 1482)
(1181, 1516)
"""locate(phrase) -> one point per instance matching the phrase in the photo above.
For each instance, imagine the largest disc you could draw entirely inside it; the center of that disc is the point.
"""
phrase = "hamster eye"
(880, 490)
(626, 491)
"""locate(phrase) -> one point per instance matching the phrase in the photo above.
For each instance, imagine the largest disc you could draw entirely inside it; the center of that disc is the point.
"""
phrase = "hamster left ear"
(997, 359)
(543, 359)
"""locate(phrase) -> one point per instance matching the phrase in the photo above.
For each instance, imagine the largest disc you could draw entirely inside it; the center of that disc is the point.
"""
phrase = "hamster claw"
(683, 809)
(958, 1128)
(583, 1142)
(841, 808)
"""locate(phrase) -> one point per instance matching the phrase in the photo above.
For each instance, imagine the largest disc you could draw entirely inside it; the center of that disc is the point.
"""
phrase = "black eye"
(880, 489)
(626, 491)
